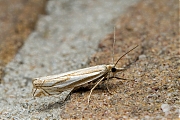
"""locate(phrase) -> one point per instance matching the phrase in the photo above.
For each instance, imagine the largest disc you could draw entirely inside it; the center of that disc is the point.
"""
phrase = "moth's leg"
(68, 96)
(122, 78)
(93, 89)
(34, 92)
(108, 77)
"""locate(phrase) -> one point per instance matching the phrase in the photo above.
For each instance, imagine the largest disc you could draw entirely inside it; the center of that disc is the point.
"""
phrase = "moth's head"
(111, 68)
(114, 69)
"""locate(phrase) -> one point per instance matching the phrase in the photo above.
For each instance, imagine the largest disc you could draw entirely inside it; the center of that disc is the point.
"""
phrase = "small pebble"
(142, 57)
(165, 108)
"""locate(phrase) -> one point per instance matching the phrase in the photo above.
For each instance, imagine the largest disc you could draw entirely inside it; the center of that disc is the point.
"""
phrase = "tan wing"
(56, 84)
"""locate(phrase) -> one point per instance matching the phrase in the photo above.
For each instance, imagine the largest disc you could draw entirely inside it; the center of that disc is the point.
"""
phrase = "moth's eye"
(113, 69)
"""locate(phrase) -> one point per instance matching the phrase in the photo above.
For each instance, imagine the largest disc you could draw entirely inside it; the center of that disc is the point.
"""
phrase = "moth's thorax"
(109, 67)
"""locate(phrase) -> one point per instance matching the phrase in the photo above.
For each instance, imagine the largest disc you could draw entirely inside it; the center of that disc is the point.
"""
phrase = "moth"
(56, 84)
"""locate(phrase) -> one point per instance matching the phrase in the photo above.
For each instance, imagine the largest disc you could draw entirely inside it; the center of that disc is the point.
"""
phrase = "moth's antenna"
(113, 45)
(124, 55)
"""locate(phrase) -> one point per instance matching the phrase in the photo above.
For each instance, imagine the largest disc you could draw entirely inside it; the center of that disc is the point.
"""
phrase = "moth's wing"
(56, 84)
(46, 92)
